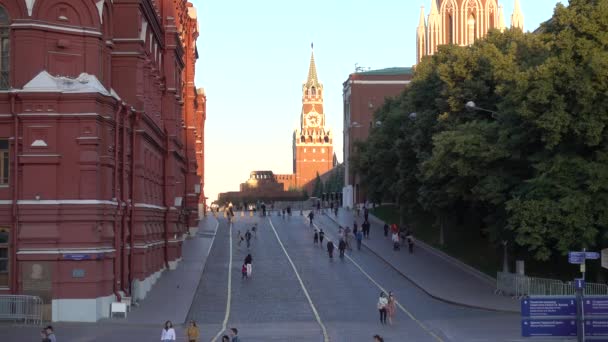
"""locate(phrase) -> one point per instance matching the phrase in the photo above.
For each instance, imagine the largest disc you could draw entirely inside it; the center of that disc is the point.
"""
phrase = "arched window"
(5, 46)
(450, 29)
(313, 91)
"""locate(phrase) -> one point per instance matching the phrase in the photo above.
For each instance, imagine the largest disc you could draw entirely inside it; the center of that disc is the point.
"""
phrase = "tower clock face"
(313, 119)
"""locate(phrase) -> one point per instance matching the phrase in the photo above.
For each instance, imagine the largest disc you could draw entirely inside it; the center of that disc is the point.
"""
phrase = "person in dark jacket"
(386, 229)
(330, 249)
(321, 237)
(316, 237)
(342, 247)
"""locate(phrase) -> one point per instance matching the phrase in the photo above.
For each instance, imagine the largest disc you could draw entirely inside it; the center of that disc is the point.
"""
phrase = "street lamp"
(355, 124)
(472, 106)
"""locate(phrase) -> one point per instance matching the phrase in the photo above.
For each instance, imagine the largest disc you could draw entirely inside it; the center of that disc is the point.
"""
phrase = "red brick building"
(364, 92)
(101, 134)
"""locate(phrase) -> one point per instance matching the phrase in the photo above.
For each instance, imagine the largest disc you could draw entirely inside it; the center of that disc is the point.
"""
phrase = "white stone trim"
(81, 310)
(56, 202)
(82, 250)
(151, 206)
(57, 28)
(141, 287)
(173, 264)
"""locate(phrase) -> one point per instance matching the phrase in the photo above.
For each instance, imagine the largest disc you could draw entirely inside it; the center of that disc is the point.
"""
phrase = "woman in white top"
(168, 333)
(382, 304)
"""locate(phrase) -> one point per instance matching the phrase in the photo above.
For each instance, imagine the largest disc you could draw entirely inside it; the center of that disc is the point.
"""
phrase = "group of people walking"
(249, 233)
(387, 304)
(193, 333)
(400, 237)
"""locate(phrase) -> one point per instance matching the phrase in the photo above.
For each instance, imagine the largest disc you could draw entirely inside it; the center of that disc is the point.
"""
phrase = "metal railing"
(21, 308)
(518, 286)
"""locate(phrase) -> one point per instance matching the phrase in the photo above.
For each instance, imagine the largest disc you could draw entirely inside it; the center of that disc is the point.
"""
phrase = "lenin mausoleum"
(101, 149)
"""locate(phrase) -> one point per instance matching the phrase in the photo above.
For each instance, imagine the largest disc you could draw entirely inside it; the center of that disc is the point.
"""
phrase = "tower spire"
(312, 69)
(421, 37)
(517, 19)
(434, 35)
(501, 18)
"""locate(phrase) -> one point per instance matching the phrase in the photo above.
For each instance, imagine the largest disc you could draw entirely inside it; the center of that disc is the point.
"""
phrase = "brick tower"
(312, 141)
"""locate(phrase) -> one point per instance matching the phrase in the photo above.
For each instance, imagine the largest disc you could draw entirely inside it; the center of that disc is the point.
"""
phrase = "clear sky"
(254, 56)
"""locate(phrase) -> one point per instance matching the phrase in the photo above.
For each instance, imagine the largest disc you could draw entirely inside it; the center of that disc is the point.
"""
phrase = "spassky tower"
(312, 141)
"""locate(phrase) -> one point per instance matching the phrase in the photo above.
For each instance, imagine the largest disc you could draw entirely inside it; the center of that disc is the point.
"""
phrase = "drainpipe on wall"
(166, 198)
(123, 195)
(117, 259)
(134, 126)
(15, 195)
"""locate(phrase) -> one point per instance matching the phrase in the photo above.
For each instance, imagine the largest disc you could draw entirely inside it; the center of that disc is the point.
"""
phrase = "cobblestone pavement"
(273, 306)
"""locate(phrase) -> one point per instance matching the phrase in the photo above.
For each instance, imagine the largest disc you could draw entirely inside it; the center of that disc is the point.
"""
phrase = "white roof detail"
(99, 5)
(39, 143)
(30, 6)
(84, 83)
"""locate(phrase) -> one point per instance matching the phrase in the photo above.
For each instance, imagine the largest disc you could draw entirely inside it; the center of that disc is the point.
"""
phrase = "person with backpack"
(342, 247)
(330, 249)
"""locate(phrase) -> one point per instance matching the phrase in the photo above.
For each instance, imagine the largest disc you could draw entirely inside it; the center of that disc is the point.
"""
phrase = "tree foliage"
(534, 172)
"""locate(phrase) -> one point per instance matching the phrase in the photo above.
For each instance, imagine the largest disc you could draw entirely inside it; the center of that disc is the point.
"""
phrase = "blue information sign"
(548, 327)
(596, 306)
(592, 255)
(76, 256)
(548, 306)
(576, 257)
(596, 327)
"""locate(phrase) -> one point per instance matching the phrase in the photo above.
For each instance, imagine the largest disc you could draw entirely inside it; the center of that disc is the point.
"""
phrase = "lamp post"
(470, 105)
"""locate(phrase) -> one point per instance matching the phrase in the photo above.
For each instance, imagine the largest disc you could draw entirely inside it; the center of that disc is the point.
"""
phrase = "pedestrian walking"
(244, 271)
(382, 303)
(235, 335)
(395, 239)
(366, 226)
(239, 237)
(316, 237)
(254, 229)
(43, 336)
(386, 229)
(336, 211)
(248, 238)
(366, 213)
(410, 242)
(391, 307)
(311, 215)
(193, 332)
(377, 338)
(168, 333)
(330, 249)
(321, 237)
(359, 239)
(248, 265)
(50, 334)
(341, 247)
(355, 227)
